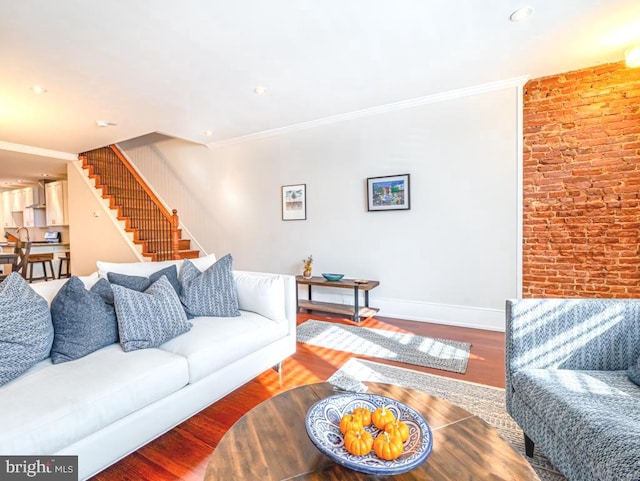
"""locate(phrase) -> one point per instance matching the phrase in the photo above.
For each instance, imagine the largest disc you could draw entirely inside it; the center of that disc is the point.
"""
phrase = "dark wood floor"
(183, 452)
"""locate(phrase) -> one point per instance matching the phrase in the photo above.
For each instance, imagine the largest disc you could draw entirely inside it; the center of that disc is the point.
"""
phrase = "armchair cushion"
(596, 410)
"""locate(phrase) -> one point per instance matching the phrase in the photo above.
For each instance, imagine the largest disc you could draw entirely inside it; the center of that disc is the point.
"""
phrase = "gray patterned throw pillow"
(212, 292)
(83, 320)
(150, 318)
(26, 332)
(139, 283)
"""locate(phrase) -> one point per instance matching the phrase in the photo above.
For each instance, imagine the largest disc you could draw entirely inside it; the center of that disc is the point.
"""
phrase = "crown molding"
(515, 82)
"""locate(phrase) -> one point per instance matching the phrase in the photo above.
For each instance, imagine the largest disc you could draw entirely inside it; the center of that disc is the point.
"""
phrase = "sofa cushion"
(212, 292)
(54, 405)
(147, 319)
(83, 320)
(143, 269)
(260, 293)
(214, 343)
(594, 411)
(147, 268)
(26, 332)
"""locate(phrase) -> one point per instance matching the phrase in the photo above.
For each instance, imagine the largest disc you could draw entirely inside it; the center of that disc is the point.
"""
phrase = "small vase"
(306, 273)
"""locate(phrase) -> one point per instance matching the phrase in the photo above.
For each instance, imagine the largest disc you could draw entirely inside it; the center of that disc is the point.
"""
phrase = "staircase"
(153, 227)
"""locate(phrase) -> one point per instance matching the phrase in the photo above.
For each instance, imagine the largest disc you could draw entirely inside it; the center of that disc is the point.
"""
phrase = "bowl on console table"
(332, 277)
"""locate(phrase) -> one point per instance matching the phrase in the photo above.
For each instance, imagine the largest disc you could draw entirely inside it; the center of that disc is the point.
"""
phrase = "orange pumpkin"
(364, 414)
(388, 447)
(349, 422)
(358, 442)
(381, 417)
(398, 428)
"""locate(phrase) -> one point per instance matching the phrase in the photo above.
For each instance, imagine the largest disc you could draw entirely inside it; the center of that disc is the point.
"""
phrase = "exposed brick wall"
(582, 184)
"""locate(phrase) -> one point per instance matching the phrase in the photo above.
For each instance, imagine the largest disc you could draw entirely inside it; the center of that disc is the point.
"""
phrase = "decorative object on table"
(487, 402)
(395, 346)
(332, 277)
(323, 427)
(391, 192)
(308, 267)
(294, 202)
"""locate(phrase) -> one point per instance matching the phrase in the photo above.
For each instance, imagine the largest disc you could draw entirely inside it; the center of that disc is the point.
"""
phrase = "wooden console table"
(355, 310)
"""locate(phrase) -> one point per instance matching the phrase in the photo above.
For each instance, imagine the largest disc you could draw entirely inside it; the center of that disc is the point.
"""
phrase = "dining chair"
(7, 259)
(22, 249)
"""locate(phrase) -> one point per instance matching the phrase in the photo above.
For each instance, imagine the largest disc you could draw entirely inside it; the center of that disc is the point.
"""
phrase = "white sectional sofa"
(109, 403)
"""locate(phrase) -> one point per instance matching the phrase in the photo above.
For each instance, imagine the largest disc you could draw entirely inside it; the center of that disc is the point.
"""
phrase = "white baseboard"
(451, 315)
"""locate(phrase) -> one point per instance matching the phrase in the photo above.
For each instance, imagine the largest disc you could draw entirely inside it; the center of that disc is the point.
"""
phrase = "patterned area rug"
(484, 401)
(396, 346)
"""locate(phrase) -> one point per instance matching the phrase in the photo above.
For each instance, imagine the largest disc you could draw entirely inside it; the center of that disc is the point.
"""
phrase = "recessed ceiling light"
(260, 90)
(105, 123)
(38, 89)
(521, 13)
(208, 133)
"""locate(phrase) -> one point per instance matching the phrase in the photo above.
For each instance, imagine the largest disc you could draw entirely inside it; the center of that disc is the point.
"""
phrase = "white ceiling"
(183, 67)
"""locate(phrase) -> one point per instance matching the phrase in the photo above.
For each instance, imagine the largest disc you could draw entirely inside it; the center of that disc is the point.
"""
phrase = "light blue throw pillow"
(83, 320)
(212, 292)
(634, 373)
(150, 318)
(26, 332)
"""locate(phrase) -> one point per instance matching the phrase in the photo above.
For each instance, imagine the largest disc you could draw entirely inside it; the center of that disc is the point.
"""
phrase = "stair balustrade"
(153, 226)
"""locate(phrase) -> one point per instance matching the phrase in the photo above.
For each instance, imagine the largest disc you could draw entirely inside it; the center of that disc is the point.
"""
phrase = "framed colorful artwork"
(391, 192)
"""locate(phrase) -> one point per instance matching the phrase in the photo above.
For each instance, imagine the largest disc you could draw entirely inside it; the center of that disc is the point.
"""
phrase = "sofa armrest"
(270, 295)
(584, 334)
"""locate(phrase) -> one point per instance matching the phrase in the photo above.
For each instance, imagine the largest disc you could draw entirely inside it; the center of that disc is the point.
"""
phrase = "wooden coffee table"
(270, 442)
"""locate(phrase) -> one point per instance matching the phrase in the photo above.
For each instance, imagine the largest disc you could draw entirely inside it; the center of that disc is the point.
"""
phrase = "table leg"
(366, 298)
(309, 291)
(356, 308)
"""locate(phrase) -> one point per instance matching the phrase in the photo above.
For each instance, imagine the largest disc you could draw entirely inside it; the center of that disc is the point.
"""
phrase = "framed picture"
(391, 192)
(294, 202)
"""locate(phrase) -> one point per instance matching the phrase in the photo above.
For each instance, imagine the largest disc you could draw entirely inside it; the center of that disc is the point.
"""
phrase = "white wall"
(93, 234)
(452, 258)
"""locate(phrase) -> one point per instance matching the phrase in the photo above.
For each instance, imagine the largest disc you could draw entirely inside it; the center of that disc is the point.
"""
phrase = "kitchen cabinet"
(32, 196)
(56, 210)
(17, 200)
(8, 217)
(33, 217)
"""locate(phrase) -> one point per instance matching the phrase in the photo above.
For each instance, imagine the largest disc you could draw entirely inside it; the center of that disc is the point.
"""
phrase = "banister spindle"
(156, 226)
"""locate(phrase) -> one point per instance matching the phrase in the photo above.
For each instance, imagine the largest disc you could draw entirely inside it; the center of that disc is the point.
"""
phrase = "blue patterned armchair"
(567, 385)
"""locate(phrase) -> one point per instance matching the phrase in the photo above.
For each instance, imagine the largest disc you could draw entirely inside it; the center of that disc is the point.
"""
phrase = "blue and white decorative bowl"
(332, 277)
(323, 427)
